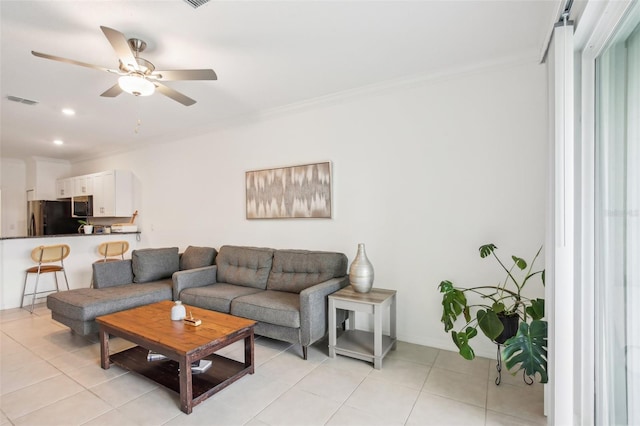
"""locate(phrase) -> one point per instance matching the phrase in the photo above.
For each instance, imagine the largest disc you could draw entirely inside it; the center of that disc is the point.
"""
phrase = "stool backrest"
(48, 254)
(113, 248)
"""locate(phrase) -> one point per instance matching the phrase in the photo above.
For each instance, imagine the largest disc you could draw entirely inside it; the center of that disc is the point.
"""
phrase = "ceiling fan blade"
(174, 94)
(172, 75)
(121, 46)
(70, 61)
(112, 92)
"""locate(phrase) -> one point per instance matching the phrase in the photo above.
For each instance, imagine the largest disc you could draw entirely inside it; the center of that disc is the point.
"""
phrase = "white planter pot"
(88, 229)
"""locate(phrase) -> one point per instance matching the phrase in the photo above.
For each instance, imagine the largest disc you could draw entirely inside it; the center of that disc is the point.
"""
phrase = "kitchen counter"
(15, 258)
(77, 234)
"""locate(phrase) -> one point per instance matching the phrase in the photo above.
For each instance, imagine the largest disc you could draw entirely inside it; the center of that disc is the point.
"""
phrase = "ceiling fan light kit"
(136, 85)
(138, 76)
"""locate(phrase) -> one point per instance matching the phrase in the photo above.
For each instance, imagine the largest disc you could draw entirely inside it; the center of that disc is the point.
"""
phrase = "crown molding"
(377, 89)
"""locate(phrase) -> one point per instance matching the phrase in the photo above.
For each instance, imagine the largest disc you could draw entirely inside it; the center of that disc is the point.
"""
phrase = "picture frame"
(302, 191)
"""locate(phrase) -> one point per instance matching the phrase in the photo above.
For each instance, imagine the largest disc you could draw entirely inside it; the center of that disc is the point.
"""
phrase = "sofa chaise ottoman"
(145, 278)
(285, 291)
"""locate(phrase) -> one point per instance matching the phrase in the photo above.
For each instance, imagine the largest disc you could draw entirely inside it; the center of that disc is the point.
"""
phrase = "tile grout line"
(289, 388)
(486, 398)
(421, 389)
(347, 398)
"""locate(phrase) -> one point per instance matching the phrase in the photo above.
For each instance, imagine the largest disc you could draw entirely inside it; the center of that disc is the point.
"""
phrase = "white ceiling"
(267, 54)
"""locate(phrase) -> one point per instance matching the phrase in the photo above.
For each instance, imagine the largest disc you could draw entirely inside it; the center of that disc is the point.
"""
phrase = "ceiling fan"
(138, 76)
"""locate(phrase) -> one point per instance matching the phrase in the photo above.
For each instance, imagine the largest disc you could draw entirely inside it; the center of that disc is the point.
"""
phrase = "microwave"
(82, 206)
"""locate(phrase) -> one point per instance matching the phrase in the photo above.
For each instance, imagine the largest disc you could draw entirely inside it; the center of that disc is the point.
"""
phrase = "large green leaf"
(471, 332)
(489, 323)
(467, 313)
(498, 307)
(461, 340)
(454, 336)
(536, 310)
(527, 350)
(486, 250)
(467, 352)
(446, 286)
(454, 303)
(520, 262)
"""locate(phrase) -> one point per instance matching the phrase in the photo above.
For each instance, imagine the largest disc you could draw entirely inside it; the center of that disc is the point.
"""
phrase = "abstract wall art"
(289, 192)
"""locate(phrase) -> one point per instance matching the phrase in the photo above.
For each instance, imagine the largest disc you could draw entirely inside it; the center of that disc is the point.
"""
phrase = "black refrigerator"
(50, 218)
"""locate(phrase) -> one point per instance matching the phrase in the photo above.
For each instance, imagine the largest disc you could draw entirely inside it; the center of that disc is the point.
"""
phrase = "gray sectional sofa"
(285, 291)
(125, 284)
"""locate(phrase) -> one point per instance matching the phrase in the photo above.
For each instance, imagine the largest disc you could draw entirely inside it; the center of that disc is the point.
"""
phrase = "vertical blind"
(617, 227)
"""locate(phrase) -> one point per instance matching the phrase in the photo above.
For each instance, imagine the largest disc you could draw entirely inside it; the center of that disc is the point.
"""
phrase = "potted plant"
(501, 307)
(85, 226)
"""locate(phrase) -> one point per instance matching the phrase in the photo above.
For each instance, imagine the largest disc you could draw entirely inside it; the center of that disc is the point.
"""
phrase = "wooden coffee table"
(151, 328)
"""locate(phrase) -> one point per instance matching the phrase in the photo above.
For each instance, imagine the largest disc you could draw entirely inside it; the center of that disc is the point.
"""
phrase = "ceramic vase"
(361, 272)
(178, 311)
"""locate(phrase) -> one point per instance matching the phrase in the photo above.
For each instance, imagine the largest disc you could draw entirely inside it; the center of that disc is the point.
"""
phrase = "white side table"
(360, 344)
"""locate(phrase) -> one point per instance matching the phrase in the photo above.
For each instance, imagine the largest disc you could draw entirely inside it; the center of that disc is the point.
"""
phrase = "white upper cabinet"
(113, 194)
(64, 188)
(112, 191)
(83, 185)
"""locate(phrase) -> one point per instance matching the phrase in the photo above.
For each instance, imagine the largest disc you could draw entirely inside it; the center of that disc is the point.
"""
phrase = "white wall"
(423, 174)
(42, 174)
(14, 199)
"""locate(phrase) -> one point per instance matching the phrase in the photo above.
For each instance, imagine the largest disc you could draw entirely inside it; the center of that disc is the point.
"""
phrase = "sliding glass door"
(617, 227)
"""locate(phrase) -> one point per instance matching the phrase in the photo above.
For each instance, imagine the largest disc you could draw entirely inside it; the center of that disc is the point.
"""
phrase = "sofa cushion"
(154, 264)
(109, 274)
(86, 304)
(273, 307)
(245, 266)
(216, 297)
(295, 270)
(197, 257)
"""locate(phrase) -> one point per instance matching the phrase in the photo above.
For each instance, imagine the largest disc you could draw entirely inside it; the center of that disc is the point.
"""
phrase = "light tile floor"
(49, 376)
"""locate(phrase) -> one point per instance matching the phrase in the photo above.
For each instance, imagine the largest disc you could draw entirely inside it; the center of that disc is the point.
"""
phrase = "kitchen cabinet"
(82, 185)
(41, 174)
(113, 194)
(76, 186)
(64, 188)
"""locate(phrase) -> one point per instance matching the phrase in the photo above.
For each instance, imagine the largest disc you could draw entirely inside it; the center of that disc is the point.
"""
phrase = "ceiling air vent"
(22, 100)
(197, 3)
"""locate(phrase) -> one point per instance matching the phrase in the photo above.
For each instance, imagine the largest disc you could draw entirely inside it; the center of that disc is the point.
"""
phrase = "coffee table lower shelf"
(222, 373)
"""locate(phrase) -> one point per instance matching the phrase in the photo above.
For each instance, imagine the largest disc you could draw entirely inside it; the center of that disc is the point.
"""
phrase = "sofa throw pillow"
(296, 270)
(154, 264)
(197, 257)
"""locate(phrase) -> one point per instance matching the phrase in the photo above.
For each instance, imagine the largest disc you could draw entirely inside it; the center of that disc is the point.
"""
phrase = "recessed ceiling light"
(68, 111)
(58, 142)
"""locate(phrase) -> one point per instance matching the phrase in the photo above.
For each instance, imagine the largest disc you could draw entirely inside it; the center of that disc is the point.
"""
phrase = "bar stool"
(44, 255)
(110, 249)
